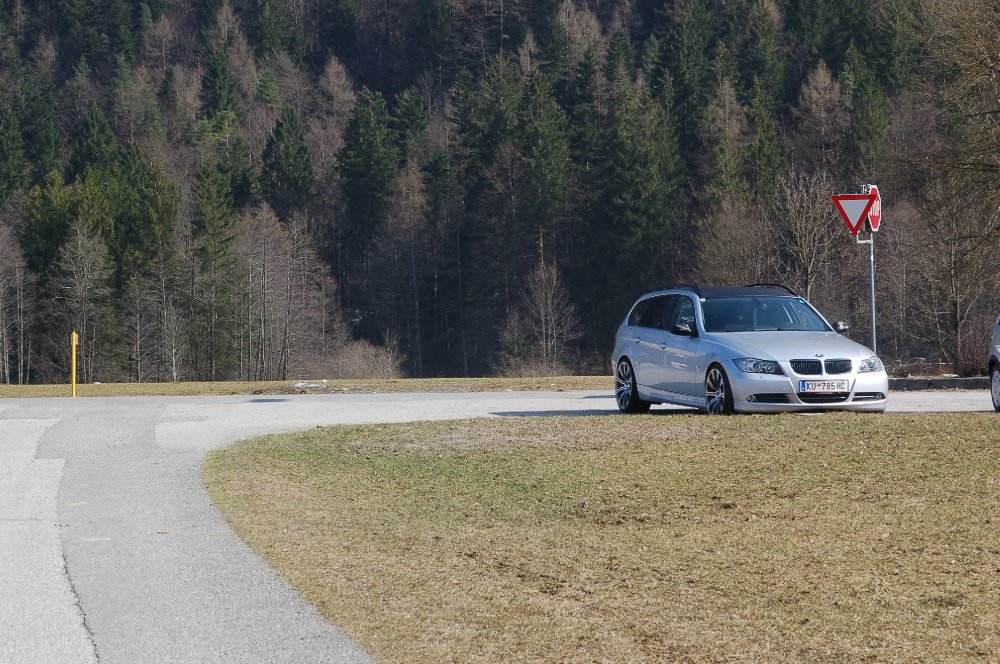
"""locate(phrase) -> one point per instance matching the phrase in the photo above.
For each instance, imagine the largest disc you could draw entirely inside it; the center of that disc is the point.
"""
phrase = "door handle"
(664, 347)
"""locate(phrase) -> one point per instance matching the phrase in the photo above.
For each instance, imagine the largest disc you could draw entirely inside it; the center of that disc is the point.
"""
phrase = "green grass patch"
(557, 383)
(668, 537)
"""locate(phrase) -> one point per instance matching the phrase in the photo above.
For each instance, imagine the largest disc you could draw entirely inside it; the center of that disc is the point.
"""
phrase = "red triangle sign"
(854, 209)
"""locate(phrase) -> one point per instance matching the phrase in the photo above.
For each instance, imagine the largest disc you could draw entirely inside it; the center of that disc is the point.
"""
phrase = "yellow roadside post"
(74, 339)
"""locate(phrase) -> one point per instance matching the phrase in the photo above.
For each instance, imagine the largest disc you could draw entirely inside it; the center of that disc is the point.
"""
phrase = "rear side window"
(652, 312)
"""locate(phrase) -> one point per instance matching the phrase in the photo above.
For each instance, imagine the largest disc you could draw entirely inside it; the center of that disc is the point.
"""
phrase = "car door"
(683, 362)
(651, 342)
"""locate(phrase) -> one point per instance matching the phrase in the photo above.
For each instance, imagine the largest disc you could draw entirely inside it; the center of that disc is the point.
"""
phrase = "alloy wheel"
(623, 385)
(995, 387)
(715, 392)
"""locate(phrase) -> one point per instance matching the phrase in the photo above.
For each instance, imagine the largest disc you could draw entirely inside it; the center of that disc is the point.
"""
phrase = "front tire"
(718, 393)
(626, 390)
(995, 386)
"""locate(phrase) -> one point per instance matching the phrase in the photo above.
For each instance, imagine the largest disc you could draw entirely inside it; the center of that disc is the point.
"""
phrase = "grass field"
(563, 383)
(668, 537)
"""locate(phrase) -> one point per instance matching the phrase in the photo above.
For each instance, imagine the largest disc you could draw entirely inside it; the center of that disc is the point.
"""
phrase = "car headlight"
(753, 365)
(870, 365)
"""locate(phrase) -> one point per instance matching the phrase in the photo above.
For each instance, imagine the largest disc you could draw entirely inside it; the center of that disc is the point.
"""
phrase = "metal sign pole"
(871, 263)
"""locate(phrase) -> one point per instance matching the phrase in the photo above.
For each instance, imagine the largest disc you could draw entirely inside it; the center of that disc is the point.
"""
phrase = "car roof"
(718, 292)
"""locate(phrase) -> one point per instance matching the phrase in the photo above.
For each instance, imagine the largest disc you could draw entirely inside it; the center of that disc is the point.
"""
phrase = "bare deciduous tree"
(82, 288)
(820, 120)
(538, 334)
(737, 242)
(809, 222)
(16, 310)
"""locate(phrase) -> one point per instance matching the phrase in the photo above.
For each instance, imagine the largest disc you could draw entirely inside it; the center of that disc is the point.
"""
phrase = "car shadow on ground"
(590, 413)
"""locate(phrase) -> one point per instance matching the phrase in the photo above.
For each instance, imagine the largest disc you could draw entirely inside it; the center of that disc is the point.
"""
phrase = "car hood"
(784, 346)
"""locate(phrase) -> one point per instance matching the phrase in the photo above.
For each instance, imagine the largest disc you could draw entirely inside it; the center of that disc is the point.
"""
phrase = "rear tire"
(718, 393)
(995, 386)
(626, 390)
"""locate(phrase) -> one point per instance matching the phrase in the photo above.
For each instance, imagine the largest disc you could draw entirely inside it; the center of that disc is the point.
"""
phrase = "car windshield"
(758, 314)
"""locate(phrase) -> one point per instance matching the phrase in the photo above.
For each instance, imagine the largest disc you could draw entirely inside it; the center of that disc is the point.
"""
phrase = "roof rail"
(778, 286)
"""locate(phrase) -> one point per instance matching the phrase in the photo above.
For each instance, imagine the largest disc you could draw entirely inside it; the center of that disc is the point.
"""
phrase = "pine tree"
(762, 64)
(42, 140)
(767, 153)
(367, 169)
(239, 170)
(339, 26)
(640, 207)
(95, 146)
(435, 39)
(409, 117)
(545, 146)
(11, 152)
(868, 118)
(287, 179)
(214, 234)
(49, 211)
(219, 89)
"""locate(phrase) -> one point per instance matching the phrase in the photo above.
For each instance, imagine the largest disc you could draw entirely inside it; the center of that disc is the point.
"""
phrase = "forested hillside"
(266, 189)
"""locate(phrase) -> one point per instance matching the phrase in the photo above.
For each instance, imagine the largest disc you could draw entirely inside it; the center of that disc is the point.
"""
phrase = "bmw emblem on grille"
(819, 354)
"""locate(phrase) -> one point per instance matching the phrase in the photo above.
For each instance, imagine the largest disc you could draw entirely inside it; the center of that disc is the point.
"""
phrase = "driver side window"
(683, 313)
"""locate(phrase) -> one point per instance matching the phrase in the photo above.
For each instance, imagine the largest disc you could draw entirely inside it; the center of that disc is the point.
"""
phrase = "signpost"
(856, 209)
(74, 340)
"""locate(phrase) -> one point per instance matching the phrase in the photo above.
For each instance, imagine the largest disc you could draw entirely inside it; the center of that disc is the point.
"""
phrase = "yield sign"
(854, 209)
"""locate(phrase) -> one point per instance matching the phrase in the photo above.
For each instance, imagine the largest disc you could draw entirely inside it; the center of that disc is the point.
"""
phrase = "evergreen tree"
(214, 234)
(409, 117)
(640, 207)
(133, 207)
(339, 27)
(489, 116)
(545, 146)
(286, 179)
(49, 211)
(367, 169)
(868, 118)
(219, 89)
(725, 137)
(42, 140)
(435, 39)
(239, 170)
(762, 64)
(95, 146)
(767, 153)
(11, 152)
(268, 25)
(692, 39)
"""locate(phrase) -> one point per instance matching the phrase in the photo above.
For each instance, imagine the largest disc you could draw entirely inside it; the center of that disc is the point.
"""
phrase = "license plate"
(823, 386)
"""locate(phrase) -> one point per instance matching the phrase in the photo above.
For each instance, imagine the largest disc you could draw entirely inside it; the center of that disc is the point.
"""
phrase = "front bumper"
(765, 393)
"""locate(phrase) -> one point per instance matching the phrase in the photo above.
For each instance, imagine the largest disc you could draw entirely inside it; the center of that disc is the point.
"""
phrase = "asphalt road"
(111, 551)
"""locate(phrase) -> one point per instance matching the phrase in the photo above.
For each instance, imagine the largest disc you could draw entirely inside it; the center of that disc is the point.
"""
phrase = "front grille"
(768, 398)
(807, 367)
(831, 397)
(838, 366)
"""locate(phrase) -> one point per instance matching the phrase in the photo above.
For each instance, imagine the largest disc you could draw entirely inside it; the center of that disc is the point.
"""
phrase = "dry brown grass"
(667, 537)
(559, 383)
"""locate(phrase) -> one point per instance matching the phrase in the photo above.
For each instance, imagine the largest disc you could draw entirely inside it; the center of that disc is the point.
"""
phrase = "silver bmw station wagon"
(753, 349)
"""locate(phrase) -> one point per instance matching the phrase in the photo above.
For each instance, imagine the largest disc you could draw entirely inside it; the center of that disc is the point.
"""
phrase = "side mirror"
(683, 330)
(840, 327)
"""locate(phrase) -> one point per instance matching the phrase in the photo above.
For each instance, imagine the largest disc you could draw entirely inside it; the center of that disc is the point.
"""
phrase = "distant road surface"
(111, 551)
